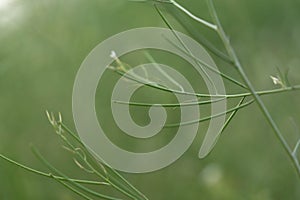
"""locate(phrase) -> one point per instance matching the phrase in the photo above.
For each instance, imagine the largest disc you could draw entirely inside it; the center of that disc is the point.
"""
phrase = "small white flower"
(276, 80)
(113, 55)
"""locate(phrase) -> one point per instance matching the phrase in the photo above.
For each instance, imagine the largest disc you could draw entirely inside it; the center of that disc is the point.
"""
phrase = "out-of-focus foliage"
(42, 44)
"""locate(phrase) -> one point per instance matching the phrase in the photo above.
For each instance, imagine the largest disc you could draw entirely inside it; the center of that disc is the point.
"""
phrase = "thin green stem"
(60, 128)
(110, 182)
(29, 169)
(296, 148)
(122, 190)
(206, 149)
(94, 171)
(210, 117)
(172, 80)
(255, 95)
(128, 183)
(185, 47)
(202, 21)
(197, 35)
(169, 104)
(238, 95)
(71, 188)
(186, 51)
(184, 10)
(83, 188)
(232, 115)
(225, 76)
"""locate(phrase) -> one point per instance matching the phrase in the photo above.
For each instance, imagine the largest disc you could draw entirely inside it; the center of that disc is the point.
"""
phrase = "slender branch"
(202, 21)
(48, 175)
(71, 188)
(204, 151)
(60, 129)
(238, 95)
(151, 59)
(128, 183)
(186, 52)
(91, 169)
(225, 76)
(169, 104)
(296, 148)
(187, 12)
(122, 190)
(256, 96)
(210, 117)
(83, 188)
(232, 115)
(110, 182)
(196, 34)
(185, 47)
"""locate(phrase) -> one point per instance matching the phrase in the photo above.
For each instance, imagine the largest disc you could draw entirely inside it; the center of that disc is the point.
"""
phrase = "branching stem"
(255, 95)
(49, 175)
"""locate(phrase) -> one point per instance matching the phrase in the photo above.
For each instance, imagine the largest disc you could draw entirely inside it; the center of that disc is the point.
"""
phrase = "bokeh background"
(42, 44)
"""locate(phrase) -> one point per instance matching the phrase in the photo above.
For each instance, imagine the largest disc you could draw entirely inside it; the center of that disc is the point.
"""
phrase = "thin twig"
(83, 188)
(204, 151)
(115, 185)
(237, 95)
(29, 169)
(202, 21)
(168, 104)
(210, 117)
(256, 96)
(185, 47)
(71, 188)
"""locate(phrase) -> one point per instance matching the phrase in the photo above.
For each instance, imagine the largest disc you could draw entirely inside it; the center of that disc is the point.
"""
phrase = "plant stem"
(238, 95)
(255, 95)
(48, 175)
(172, 105)
(83, 188)
(202, 21)
(186, 51)
(239, 106)
(196, 34)
(110, 182)
(71, 188)
(206, 149)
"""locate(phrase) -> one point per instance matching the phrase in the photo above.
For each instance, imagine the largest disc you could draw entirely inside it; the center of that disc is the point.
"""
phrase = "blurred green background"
(43, 43)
